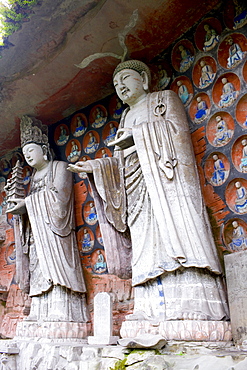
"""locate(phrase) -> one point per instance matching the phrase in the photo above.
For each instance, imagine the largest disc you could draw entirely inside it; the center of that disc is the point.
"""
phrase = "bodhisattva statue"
(151, 186)
(49, 268)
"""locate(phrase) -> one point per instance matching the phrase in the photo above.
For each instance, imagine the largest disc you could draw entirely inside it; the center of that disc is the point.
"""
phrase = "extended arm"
(80, 167)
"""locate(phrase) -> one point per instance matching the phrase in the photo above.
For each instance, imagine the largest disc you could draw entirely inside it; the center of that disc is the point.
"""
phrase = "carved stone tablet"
(102, 320)
(236, 277)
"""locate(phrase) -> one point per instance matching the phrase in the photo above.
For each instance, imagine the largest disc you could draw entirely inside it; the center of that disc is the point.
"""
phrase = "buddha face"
(34, 155)
(130, 86)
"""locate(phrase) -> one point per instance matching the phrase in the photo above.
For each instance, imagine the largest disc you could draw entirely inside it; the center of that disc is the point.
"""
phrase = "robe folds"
(159, 184)
(152, 191)
(53, 254)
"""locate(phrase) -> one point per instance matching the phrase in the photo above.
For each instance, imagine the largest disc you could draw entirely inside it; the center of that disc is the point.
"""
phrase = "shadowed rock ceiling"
(39, 74)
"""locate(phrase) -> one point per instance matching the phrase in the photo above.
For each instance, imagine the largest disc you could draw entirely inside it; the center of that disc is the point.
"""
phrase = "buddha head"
(36, 155)
(131, 80)
(34, 142)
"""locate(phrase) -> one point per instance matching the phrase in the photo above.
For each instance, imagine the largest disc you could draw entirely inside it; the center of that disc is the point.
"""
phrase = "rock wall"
(196, 68)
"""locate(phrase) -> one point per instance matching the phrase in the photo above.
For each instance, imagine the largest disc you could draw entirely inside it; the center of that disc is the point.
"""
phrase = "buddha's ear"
(145, 80)
(44, 149)
(45, 152)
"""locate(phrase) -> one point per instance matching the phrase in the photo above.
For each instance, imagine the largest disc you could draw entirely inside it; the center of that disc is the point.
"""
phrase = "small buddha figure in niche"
(223, 135)
(236, 55)
(80, 126)
(27, 176)
(155, 195)
(99, 238)
(229, 95)
(241, 198)
(5, 166)
(163, 78)
(219, 174)
(186, 58)
(211, 38)
(243, 164)
(91, 219)
(63, 137)
(201, 110)
(74, 152)
(183, 93)
(99, 119)
(100, 265)
(207, 75)
(118, 109)
(241, 14)
(104, 153)
(239, 240)
(92, 144)
(87, 243)
(111, 135)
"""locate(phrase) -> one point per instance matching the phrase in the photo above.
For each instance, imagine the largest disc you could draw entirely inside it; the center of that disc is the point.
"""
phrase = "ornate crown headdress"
(33, 131)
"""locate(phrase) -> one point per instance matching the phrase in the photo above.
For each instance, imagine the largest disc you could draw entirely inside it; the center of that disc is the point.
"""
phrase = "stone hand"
(80, 167)
(124, 138)
(18, 206)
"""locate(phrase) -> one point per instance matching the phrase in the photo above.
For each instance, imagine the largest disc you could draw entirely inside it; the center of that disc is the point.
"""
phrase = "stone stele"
(103, 320)
(236, 277)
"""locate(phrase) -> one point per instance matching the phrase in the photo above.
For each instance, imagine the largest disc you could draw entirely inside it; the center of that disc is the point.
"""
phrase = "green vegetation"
(119, 365)
(12, 17)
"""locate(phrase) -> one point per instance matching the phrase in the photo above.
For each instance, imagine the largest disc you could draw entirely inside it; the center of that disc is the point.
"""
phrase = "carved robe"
(169, 227)
(50, 268)
(53, 254)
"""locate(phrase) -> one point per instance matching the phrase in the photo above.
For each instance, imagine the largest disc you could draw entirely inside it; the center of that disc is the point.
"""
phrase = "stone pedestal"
(103, 320)
(186, 330)
(74, 331)
(236, 278)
